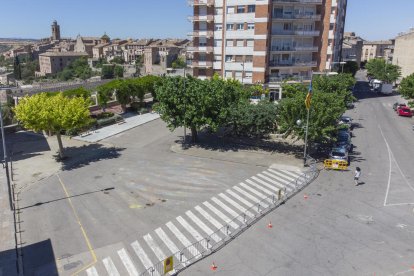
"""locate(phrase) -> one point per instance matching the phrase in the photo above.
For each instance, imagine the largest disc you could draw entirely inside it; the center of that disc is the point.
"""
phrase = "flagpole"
(307, 124)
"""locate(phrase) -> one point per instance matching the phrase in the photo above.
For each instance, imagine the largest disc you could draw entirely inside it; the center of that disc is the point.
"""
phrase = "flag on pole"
(308, 99)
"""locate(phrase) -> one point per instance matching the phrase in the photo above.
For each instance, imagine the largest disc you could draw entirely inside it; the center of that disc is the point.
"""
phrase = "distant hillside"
(5, 48)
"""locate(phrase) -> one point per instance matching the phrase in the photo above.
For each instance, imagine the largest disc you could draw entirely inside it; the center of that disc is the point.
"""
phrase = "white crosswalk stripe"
(275, 182)
(92, 271)
(143, 257)
(170, 244)
(155, 248)
(110, 267)
(253, 198)
(182, 239)
(259, 187)
(264, 183)
(225, 218)
(235, 204)
(293, 174)
(282, 174)
(203, 226)
(191, 230)
(239, 198)
(126, 260)
(209, 218)
(253, 191)
(278, 177)
(227, 209)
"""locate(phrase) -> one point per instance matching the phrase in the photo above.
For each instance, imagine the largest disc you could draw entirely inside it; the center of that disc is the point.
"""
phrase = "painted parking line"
(142, 255)
(92, 271)
(203, 226)
(110, 267)
(225, 218)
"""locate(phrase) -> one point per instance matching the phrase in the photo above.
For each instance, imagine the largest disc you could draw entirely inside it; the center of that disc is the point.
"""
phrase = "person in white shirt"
(357, 175)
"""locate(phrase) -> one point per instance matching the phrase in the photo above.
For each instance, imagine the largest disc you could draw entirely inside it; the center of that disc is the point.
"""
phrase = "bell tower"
(55, 31)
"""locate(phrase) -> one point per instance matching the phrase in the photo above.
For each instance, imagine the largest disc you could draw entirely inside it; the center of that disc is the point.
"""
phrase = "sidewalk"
(112, 130)
(7, 241)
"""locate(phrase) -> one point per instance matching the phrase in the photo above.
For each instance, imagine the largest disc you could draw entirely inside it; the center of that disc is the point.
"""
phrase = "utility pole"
(243, 73)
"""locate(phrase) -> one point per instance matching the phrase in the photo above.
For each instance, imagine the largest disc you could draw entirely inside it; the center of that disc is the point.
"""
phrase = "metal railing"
(291, 48)
(200, 2)
(287, 63)
(296, 32)
(316, 17)
(201, 18)
(225, 234)
(299, 1)
(289, 78)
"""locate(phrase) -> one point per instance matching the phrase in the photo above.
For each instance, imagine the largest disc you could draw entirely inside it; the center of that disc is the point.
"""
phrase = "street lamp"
(185, 130)
(306, 127)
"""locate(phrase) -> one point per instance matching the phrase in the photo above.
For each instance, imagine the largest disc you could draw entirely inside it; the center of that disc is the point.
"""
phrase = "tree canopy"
(407, 87)
(379, 69)
(57, 113)
(79, 68)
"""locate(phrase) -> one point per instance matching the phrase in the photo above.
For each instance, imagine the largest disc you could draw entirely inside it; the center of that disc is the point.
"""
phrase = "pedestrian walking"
(357, 175)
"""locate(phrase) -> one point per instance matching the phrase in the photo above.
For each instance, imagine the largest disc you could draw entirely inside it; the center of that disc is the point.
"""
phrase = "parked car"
(346, 120)
(338, 153)
(404, 111)
(345, 129)
(344, 141)
(396, 105)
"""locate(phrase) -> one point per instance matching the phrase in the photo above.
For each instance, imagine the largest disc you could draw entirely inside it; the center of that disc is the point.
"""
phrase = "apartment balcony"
(294, 49)
(201, 33)
(296, 32)
(201, 64)
(197, 18)
(201, 2)
(288, 78)
(315, 17)
(292, 63)
(200, 49)
(315, 2)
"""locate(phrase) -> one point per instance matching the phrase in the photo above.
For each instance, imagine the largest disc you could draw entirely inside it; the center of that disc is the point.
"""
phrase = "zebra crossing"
(194, 225)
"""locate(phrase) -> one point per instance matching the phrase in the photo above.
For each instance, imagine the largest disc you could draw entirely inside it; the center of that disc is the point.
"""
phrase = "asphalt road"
(340, 229)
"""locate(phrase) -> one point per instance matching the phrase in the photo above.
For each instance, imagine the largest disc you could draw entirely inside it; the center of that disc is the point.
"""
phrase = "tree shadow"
(362, 91)
(78, 157)
(218, 142)
(24, 145)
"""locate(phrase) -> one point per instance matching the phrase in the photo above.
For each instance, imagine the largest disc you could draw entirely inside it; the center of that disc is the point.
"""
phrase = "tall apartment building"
(266, 41)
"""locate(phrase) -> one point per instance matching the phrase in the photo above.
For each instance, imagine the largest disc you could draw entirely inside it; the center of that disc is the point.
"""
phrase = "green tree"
(179, 63)
(79, 68)
(56, 114)
(351, 67)
(107, 71)
(17, 69)
(119, 71)
(381, 70)
(340, 84)
(105, 93)
(290, 89)
(407, 87)
(77, 92)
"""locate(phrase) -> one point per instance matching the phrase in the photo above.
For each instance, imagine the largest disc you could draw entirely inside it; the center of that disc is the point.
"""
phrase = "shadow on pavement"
(77, 157)
(362, 91)
(25, 145)
(215, 142)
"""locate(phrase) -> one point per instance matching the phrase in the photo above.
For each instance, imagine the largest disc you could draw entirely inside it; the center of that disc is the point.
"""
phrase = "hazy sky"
(370, 19)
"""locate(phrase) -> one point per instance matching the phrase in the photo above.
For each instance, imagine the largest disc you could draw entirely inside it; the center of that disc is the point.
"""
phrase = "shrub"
(143, 110)
(109, 121)
(104, 115)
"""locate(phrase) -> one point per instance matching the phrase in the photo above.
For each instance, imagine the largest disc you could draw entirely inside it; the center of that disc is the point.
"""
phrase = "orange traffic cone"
(213, 267)
(305, 196)
(270, 225)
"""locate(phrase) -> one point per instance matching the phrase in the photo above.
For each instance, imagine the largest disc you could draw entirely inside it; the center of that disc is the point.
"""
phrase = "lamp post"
(306, 127)
(185, 130)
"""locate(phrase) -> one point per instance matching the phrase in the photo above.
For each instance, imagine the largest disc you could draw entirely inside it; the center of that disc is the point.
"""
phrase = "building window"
(239, 74)
(217, 58)
(248, 59)
(239, 58)
(240, 9)
(248, 75)
(240, 43)
(229, 43)
(250, 26)
(229, 58)
(229, 74)
(218, 27)
(218, 11)
(251, 8)
(217, 42)
(202, 42)
(250, 42)
(240, 26)
(229, 27)
(230, 10)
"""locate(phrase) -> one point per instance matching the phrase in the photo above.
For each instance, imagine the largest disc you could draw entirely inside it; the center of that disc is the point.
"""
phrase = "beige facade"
(375, 49)
(404, 53)
(86, 44)
(54, 62)
(266, 41)
(352, 48)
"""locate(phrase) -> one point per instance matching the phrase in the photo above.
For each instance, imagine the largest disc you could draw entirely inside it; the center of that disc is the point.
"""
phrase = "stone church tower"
(55, 31)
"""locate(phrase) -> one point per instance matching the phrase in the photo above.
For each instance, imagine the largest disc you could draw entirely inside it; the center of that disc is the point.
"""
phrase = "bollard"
(181, 256)
(152, 271)
(258, 208)
(227, 230)
(244, 217)
(273, 199)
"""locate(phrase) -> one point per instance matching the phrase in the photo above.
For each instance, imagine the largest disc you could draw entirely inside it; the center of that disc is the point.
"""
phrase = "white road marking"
(92, 271)
(154, 247)
(191, 230)
(254, 184)
(267, 184)
(212, 220)
(276, 182)
(228, 209)
(282, 174)
(141, 255)
(126, 260)
(169, 243)
(225, 218)
(293, 174)
(110, 267)
(235, 204)
(239, 198)
(246, 194)
(247, 187)
(203, 226)
(182, 239)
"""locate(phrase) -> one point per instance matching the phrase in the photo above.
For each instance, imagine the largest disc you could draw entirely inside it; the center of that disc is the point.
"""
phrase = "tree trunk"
(124, 108)
(59, 138)
(194, 136)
